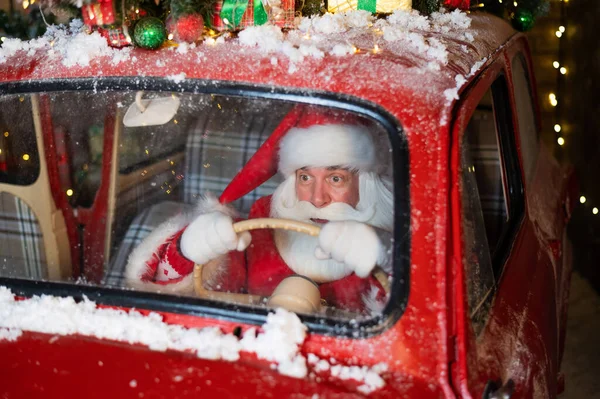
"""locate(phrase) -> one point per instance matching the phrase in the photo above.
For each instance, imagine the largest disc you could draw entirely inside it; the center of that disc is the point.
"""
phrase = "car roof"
(420, 69)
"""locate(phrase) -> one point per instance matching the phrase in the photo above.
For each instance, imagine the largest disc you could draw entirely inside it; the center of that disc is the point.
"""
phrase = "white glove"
(353, 243)
(210, 236)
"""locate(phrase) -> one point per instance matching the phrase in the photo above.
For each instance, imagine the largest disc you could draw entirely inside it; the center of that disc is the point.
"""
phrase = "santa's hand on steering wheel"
(353, 243)
(212, 235)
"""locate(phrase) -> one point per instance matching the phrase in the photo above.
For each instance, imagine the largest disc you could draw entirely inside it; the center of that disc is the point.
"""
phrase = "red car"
(101, 146)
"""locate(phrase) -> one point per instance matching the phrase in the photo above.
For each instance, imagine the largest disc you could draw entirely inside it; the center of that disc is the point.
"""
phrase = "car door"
(505, 313)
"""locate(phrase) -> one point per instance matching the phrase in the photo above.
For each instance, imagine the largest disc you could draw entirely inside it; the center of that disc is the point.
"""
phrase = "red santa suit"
(314, 140)
(259, 272)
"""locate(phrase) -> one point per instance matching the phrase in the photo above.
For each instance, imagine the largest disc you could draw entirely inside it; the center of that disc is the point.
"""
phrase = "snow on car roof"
(396, 61)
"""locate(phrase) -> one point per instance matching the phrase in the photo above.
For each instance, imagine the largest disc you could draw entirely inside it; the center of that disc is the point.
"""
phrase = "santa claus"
(333, 178)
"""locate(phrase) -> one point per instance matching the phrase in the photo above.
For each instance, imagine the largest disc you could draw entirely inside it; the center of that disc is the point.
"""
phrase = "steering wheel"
(295, 293)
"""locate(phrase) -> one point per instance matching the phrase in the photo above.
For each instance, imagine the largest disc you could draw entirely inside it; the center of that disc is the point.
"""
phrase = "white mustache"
(337, 211)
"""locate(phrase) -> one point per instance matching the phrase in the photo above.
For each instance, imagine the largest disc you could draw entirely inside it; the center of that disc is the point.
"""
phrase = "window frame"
(495, 78)
(211, 309)
(522, 58)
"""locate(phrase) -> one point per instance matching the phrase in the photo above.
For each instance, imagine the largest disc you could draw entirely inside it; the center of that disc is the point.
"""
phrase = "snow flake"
(178, 78)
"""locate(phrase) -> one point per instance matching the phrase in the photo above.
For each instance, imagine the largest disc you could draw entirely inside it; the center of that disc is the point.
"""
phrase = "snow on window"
(180, 77)
(279, 341)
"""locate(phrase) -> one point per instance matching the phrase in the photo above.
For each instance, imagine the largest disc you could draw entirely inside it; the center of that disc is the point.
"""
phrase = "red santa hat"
(306, 137)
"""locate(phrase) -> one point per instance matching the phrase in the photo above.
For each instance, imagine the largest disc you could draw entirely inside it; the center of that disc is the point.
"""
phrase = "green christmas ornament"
(523, 20)
(149, 33)
(426, 7)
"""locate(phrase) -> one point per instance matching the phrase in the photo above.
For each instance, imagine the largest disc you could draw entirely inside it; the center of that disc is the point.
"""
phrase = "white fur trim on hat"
(347, 146)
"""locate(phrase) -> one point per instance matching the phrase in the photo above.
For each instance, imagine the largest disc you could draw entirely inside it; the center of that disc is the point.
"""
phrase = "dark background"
(578, 113)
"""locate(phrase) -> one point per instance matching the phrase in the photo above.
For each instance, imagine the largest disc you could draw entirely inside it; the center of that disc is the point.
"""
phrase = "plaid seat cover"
(142, 225)
(21, 243)
(220, 143)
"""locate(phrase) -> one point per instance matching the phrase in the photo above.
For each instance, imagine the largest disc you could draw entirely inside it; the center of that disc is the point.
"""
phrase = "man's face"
(323, 186)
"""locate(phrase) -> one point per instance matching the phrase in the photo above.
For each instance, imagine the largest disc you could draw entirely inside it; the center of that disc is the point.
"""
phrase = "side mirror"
(155, 111)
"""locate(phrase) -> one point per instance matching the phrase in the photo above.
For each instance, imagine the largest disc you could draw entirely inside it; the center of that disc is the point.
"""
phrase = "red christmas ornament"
(462, 4)
(187, 28)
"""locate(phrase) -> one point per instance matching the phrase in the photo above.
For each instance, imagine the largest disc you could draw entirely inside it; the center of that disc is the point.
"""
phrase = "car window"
(170, 172)
(491, 197)
(528, 130)
(19, 160)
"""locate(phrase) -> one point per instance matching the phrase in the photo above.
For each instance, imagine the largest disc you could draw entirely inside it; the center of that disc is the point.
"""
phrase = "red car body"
(431, 350)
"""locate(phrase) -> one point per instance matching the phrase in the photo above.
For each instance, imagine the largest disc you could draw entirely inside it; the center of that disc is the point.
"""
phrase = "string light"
(595, 210)
(563, 70)
(69, 193)
(582, 199)
(557, 128)
(561, 29)
(558, 34)
(553, 100)
(560, 141)
(556, 64)
(25, 157)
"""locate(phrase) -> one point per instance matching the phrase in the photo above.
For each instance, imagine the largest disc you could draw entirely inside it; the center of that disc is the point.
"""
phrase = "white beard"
(298, 249)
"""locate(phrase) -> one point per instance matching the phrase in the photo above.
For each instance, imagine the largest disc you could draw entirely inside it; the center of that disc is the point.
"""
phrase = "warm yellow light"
(557, 128)
(376, 49)
(6, 134)
(25, 157)
(0, 150)
(69, 193)
(563, 70)
(2, 39)
(553, 100)
(137, 10)
(561, 29)
(560, 141)
(515, 3)
(25, 4)
(558, 33)
(556, 64)
(147, 152)
(500, 1)
(582, 199)
(175, 121)
(595, 211)
(170, 37)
